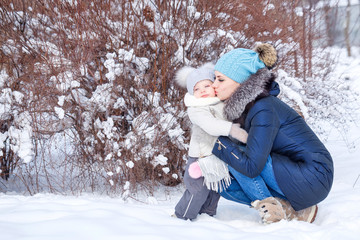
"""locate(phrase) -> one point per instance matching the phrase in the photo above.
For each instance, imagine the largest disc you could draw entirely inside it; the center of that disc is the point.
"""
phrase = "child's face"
(204, 89)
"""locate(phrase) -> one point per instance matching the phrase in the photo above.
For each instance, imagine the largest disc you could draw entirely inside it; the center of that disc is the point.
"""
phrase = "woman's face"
(224, 86)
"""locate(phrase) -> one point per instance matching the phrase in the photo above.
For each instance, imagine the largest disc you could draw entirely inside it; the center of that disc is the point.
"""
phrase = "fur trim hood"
(256, 86)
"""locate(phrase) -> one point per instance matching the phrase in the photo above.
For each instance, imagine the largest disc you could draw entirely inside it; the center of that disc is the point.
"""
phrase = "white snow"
(160, 160)
(3, 78)
(61, 100)
(21, 142)
(91, 216)
(49, 216)
(60, 112)
(130, 164)
(342, 2)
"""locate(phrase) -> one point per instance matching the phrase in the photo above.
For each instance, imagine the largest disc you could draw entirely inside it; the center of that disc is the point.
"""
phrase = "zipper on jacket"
(219, 148)
(234, 155)
(220, 144)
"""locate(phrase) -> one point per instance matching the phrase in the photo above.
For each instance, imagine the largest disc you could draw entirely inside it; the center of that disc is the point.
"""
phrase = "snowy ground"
(46, 216)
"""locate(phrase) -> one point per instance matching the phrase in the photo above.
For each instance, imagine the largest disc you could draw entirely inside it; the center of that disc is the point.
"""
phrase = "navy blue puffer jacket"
(302, 165)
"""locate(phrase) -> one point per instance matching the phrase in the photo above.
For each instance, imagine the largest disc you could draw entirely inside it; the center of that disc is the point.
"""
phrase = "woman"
(299, 172)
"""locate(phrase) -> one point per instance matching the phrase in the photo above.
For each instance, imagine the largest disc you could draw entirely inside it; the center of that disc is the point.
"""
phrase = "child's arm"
(207, 122)
(215, 126)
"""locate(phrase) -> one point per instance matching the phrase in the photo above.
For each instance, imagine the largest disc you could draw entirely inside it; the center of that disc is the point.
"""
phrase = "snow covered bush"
(87, 96)
(326, 99)
(16, 131)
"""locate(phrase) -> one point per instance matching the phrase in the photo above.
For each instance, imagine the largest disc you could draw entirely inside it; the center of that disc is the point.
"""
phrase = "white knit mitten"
(238, 133)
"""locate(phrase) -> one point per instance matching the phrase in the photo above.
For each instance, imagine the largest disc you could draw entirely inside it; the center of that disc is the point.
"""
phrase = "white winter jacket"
(206, 115)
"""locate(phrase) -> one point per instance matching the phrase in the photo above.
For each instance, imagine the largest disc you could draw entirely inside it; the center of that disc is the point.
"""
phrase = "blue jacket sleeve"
(251, 159)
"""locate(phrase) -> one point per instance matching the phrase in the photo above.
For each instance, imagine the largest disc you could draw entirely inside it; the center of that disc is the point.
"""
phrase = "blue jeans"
(246, 190)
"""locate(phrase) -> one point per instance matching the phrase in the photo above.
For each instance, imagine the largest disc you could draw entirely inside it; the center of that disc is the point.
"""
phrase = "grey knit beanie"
(188, 76)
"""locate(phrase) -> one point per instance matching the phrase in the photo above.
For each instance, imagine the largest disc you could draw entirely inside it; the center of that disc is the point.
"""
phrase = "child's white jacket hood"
(192, 101)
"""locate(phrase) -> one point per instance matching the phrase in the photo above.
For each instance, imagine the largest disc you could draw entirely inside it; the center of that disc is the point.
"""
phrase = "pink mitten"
(194, 170)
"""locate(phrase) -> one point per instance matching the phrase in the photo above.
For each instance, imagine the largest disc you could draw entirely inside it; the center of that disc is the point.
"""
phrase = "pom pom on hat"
(240, 63)
(189, 76)
(267, 54)
(182, 74)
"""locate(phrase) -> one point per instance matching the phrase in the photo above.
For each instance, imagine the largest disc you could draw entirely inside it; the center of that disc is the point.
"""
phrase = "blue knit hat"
(239, 64)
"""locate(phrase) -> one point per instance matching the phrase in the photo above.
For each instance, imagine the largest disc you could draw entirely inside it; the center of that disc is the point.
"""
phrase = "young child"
(205, 111)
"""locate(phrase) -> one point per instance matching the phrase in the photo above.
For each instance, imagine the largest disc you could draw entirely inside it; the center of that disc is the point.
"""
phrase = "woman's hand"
(238, 133)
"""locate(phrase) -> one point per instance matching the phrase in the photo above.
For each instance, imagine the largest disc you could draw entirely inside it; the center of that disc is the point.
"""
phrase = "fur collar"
(191, 101)
(248, 92)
